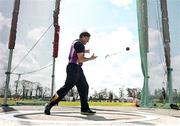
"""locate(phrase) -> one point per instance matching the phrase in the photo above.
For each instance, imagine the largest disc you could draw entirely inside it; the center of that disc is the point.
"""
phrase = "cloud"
(122, 3)
(3, 62)
(111, 42)
(35, 33)
(3, 52)
(4, 21)
(155, 37)
(29, 61)
(176, 71)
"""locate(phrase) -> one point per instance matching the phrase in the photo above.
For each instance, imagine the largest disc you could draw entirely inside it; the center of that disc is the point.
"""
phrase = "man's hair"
(85, 33)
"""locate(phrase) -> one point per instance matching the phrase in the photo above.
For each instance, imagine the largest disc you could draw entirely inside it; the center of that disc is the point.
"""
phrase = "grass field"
(97, 104)
(64, 103)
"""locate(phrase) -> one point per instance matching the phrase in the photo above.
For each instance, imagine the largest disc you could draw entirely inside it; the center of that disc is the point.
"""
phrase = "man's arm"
(87, 51)
(82, 58)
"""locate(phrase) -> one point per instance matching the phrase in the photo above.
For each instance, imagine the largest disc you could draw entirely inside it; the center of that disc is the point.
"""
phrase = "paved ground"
(70, 116)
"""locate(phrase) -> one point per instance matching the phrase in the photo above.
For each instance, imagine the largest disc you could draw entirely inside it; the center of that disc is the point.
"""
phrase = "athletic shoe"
(88, 112)
(47, 110)
(174, 106)
(53, 101)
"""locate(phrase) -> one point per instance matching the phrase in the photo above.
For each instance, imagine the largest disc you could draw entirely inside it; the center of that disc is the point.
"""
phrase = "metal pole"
(166, 42)
(56, 41)
(8, 77)
(53, 76)
(11, 45)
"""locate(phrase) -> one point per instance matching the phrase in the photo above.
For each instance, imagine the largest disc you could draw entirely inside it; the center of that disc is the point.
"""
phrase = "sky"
(111, 23)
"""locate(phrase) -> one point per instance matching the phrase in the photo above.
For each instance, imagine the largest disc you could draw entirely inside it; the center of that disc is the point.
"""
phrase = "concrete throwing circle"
(69, 118)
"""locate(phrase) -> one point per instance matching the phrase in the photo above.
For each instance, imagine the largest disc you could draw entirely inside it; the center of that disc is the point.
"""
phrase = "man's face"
(85, 39)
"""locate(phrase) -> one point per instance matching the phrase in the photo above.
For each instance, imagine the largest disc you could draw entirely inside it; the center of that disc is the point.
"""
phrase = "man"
(75, 76)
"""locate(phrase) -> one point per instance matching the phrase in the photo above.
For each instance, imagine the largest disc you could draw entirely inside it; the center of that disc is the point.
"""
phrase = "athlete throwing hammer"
(75, 76)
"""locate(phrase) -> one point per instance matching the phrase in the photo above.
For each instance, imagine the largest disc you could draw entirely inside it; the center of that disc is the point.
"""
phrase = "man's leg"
(58, 97)
(69, 84)
(83, 90)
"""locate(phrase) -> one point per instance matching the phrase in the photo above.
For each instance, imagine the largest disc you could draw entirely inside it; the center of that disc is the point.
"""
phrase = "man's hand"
(93, 57)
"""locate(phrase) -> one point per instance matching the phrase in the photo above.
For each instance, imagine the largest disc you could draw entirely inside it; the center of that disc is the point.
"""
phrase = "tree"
(130, 92)
(2, 88)
(95, 95)
(121, 93)
(110, 96)
(38, 89)
(158, 95)
(103, 94)
(45, 92)
(133, 92)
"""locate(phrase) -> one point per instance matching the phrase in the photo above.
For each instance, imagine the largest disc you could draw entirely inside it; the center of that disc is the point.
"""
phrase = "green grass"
(9, 101)
(63, 103)
(111, 104)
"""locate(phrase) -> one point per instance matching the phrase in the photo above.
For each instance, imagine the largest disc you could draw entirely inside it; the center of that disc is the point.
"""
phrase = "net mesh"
(162, 62)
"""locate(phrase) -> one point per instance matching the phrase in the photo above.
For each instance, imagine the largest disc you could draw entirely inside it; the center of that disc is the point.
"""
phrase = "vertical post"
(53, 75)
(8, 77)
(166, 41)
(11, 45)
(56, 41)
